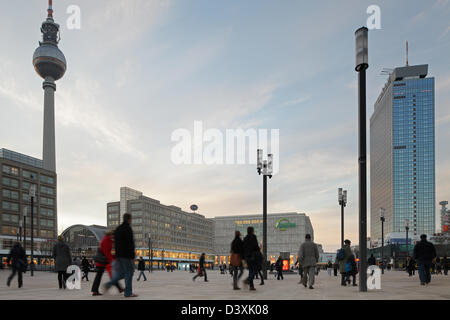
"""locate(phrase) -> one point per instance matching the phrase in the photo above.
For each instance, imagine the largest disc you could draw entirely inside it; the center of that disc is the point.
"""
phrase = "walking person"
(141, 269)
(201, 269)
(104, 261)
(342, 257)
(352, 270)
(279, 268)
(85, 266)
(18, 260)
(371, 261)
(445, 265)
(411, 266)
(63, 259)
(329, 267)
(308, 256)
(259, 263)
(125, 254)
(237, 252)
(424, 254)
(251, 250)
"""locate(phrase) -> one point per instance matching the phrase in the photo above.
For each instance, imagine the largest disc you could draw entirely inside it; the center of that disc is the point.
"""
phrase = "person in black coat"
(279, 268)
(125, 254)
(424, 254)
(201, 269)
(85, 266)
(141, 269)
(237, 251)
(18, 261)
(251, 250)
(372, 261)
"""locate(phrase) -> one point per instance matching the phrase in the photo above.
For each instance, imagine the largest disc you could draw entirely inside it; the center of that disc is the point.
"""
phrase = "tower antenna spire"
(407, 54)
(50, 9)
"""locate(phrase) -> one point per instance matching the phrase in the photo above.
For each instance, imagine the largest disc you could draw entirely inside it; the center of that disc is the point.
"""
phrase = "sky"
(140, 69)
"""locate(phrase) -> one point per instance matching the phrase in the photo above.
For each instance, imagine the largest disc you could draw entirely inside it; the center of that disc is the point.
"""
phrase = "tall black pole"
(32, 238)
(25, 234)
(382, 245)
(362, 183)
(264, 266)
(342, 224)
(407, 251)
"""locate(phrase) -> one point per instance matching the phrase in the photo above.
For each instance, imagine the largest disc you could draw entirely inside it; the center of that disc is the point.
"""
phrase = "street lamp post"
(20, 229)
(362, 63)
(342, 197)
(382, 211)
(407, 229)
(162, 255)
(25, 230)
(266, 169)
(150, 251)
(32, 195)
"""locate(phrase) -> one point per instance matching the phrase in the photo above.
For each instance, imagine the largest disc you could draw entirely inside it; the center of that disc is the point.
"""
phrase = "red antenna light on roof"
(50, 9)
(407, 53)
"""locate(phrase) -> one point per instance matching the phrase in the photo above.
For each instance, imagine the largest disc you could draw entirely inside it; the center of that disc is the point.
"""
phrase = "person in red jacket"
(106, 246)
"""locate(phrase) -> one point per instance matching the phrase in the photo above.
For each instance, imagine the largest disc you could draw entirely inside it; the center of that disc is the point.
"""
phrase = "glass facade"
(413, 155)
(402, 154)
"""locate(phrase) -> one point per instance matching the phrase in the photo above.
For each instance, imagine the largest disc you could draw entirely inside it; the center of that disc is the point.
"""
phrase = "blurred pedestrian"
(237, 252)
(308, 256)
(85, 268)
(329, 267)
(251, 249)
(18, 261)
(424, 253)
(125, 254)
(342, 257)
(279, 268)
(141, 269)
(103, 261)
(201, 269)
(63, 259)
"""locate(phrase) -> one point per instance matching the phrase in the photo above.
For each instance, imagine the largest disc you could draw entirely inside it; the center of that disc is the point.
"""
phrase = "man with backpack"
(343, 256)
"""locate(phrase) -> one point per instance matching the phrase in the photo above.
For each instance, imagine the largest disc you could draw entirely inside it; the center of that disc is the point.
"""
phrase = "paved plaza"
(178, 285)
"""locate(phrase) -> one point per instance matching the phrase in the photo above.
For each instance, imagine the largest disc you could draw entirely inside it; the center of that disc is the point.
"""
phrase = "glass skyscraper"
(402, 155)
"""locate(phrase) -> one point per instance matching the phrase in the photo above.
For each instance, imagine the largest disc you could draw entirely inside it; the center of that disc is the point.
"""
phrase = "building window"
(10, 206)
(29, 175)
(10, 182)
(47, 179)
(10, 170)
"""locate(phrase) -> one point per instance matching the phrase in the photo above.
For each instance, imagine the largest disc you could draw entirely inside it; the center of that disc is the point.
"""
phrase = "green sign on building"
(283, 224)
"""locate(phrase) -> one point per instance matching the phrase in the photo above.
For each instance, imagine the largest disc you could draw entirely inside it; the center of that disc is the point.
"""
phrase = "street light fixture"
(342, 199)
(382, 218)
(362, 63)
(150, 251)
(32, 195)
(264, 167)
(407, 229)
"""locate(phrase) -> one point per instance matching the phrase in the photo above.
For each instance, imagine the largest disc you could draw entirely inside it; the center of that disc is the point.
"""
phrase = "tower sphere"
(49, 61)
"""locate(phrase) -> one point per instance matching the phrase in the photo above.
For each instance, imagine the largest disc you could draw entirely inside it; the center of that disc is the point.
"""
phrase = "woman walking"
(104, 260)
(63, 258)
(18, 261)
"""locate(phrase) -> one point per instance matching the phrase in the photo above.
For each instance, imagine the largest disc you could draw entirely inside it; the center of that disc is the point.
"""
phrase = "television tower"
(50, 63)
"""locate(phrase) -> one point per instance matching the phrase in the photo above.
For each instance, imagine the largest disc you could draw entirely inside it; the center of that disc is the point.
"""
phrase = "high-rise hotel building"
(402, 154)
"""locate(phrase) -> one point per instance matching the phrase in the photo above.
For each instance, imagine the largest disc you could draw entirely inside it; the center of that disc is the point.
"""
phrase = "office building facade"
(402, 154)
(176, 236)
(18, 173)
(285, 233)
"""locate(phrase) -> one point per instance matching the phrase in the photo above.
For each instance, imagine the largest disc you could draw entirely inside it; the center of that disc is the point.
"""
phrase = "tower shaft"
(48, 151)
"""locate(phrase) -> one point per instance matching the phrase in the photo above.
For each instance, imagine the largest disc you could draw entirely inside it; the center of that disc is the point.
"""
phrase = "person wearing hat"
(344, 260)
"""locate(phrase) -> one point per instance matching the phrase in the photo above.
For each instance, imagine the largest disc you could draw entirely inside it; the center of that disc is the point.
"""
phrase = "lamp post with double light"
(265, 167)
(342, 199)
